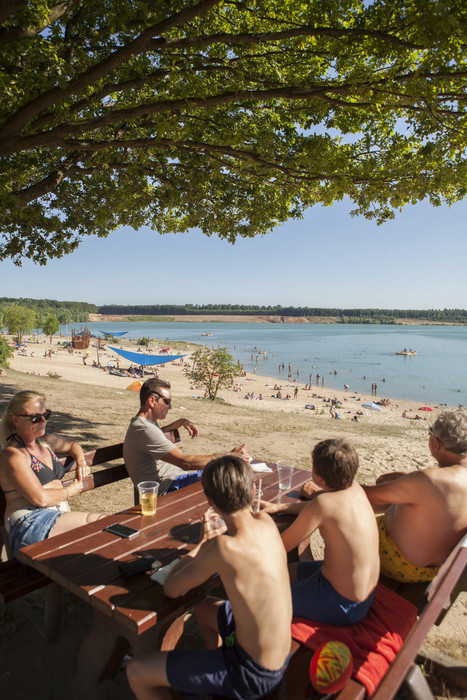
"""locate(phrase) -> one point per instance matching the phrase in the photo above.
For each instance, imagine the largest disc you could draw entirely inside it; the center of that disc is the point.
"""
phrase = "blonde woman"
(30, 474)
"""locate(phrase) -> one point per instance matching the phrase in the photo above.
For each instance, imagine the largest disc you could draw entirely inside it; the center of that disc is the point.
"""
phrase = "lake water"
(357, 355)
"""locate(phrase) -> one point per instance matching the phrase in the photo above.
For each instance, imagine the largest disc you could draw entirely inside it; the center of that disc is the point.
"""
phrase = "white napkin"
(160, 575)
(260, 467)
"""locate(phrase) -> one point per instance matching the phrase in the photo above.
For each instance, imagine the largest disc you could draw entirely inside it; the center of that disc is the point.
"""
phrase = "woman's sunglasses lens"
(38, 416)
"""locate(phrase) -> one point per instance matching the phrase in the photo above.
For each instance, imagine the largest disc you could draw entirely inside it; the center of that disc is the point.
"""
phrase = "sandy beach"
(94, 407)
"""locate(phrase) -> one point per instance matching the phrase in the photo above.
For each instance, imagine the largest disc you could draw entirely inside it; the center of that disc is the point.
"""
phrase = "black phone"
(122, 530)
(138, 566)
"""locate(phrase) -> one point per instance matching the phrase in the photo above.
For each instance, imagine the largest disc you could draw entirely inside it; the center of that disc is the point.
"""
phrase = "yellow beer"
(148, 503)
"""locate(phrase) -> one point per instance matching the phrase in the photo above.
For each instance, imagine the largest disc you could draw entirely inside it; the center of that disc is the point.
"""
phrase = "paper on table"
(260, 467)
(160, 575)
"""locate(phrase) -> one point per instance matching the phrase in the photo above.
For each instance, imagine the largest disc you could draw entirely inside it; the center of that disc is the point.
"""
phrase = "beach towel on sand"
(373, 642)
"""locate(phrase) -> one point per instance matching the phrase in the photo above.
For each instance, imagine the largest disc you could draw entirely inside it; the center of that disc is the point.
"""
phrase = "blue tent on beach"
(140, 359)
(114, 334)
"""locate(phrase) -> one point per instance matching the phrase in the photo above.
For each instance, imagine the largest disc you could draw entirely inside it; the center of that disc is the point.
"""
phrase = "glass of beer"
(148, 496)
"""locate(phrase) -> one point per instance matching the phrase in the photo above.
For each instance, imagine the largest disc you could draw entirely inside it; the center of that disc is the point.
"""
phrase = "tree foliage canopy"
(230, 116)
(18, 319)
(51, 326)
(212, 369)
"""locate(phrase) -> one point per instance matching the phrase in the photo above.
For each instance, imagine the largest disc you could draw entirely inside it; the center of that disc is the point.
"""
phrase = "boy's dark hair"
(336, 462)
(151, 386)
(228, 482)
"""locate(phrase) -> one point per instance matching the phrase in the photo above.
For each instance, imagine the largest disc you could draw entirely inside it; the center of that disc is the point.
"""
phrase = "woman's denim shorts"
(35, 526)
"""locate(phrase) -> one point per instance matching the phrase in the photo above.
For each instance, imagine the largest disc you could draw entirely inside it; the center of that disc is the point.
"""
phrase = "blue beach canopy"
(140, 359)
(372, 406)
(114, 334)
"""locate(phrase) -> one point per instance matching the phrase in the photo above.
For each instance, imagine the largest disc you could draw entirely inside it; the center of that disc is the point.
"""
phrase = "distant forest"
(341, 315)
(65, 311)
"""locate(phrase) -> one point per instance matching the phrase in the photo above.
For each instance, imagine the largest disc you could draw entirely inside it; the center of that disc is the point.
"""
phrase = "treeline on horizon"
(343, 315)
(65, 311)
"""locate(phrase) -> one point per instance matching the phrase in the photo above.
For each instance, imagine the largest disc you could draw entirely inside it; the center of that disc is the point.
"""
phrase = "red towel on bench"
(374, 642)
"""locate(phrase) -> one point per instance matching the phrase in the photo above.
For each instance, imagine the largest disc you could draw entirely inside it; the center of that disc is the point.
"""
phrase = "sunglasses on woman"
(36, 417)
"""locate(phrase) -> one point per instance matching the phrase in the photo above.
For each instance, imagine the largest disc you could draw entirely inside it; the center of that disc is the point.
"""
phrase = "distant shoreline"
(232, 318)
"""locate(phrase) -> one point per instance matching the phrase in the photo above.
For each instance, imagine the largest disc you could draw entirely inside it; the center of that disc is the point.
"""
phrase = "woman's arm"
(18, 475)
(67, 446)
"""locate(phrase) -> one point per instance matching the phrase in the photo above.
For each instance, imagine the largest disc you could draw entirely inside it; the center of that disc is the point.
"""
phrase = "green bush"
(6, 352)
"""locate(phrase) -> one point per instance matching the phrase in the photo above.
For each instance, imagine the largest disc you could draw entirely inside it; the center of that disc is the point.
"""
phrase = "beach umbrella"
(372, 406)
(135, 386)
(425, 408)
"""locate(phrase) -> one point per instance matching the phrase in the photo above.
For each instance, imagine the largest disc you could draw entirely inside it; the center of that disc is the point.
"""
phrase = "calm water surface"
(356, 355)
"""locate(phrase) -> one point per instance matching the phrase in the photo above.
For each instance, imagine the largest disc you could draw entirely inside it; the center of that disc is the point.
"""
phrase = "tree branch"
(18, 33)
(37, 105)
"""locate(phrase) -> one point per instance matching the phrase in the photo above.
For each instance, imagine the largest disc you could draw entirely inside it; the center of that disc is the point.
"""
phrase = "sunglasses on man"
(168, 402)
(36, 417)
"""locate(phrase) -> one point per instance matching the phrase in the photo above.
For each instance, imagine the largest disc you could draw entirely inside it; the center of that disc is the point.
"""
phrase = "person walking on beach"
(247, 646)
(425, 512)
(148, 453)
(339, 589)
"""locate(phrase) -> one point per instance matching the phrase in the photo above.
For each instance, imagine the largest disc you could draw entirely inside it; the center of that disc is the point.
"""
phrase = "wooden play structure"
(80, 339)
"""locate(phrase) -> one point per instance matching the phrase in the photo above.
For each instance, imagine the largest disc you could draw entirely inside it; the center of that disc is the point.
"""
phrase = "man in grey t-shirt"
(149, 455)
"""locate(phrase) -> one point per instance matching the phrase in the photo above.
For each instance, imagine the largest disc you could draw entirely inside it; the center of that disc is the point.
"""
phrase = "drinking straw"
(259, 492)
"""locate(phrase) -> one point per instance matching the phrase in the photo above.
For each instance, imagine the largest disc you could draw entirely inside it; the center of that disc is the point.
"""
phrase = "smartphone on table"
(122, 530)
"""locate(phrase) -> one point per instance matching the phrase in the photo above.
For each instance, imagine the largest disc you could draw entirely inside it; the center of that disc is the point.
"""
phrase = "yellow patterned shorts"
(396, 566)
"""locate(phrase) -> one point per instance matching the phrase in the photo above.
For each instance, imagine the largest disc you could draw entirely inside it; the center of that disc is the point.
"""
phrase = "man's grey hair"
(450, 427)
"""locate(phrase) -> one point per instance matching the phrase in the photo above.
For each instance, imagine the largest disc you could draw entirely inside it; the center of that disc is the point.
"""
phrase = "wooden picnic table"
(132, 612)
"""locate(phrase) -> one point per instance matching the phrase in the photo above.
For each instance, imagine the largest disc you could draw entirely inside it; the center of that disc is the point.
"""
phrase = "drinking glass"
(148, 496)
(284, 473)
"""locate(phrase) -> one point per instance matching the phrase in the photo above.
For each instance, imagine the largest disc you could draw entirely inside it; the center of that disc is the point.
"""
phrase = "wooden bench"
(16, 580)
(432, 601)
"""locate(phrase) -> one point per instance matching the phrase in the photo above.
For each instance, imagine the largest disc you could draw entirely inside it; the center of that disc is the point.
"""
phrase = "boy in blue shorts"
(247, 637)
(339, 589)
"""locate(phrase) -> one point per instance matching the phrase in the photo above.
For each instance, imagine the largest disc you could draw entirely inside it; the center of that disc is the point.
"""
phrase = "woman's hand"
(82, 470)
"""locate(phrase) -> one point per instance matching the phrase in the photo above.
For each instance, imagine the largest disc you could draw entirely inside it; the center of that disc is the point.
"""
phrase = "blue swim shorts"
(228, 671)
(34, 526)
(314, 598)
(184, 480)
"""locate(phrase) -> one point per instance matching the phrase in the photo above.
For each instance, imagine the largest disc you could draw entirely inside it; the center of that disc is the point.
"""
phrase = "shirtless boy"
(248, 635)
(425, 512)
(339, 589)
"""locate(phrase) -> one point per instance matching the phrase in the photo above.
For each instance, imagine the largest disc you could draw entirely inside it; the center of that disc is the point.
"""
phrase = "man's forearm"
(377, 503)
(190, 462)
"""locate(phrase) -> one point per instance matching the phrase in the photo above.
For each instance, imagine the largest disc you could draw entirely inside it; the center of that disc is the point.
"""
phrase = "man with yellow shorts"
(424, 511)
(394, 565)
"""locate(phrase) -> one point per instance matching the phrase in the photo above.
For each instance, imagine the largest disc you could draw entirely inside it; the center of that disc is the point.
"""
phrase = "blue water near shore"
(357, 355)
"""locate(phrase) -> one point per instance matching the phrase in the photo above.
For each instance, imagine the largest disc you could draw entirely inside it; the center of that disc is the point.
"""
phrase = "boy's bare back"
(253, 569)
(347, 525)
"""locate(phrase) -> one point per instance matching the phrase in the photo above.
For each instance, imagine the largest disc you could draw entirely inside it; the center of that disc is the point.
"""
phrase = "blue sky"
(328, 259)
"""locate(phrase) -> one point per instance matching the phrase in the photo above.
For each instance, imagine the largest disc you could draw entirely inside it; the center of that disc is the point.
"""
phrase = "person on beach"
(424, 512)
(30, 474)
(339, 589)
(149, 454)
(248, 646)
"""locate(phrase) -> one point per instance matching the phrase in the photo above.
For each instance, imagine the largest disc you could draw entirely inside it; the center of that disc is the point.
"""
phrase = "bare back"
(347, 525)
(432, 515)
(350, 534)
(254, 572)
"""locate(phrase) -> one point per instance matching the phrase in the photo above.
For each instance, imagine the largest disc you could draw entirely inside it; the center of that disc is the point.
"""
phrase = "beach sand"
(94, 408)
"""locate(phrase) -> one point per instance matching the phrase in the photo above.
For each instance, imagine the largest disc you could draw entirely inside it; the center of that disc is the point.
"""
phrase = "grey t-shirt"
(144, 447)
